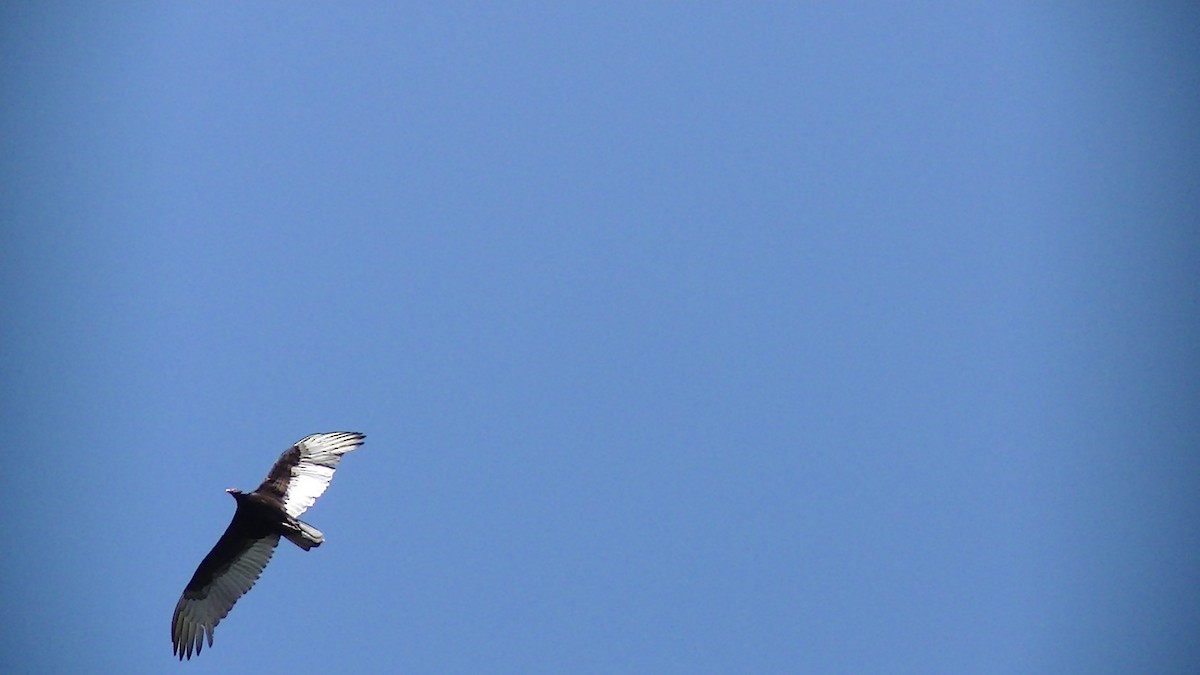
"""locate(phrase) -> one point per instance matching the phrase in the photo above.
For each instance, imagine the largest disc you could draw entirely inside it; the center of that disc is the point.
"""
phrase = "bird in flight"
(272, 511)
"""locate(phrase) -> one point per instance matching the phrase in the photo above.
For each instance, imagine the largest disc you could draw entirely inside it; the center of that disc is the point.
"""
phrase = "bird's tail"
(305, 536)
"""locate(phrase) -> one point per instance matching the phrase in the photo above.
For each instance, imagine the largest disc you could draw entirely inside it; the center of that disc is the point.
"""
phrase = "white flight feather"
(319, 457)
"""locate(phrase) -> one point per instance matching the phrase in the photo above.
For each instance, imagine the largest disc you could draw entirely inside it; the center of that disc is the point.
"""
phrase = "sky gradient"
(709, 337)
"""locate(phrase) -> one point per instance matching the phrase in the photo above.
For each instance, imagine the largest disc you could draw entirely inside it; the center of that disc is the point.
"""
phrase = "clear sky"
(687, 337)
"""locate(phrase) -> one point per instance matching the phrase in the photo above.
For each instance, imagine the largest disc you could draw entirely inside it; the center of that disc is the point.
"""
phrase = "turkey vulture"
(300, 475)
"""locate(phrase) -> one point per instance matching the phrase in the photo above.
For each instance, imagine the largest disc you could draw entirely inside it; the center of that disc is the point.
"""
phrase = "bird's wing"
(226, 573)
(304, 470)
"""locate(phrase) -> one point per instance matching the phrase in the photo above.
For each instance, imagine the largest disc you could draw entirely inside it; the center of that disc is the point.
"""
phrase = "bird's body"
(233, 565)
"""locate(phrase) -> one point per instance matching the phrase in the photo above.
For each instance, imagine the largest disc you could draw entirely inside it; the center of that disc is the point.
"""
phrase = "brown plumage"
(230, 569)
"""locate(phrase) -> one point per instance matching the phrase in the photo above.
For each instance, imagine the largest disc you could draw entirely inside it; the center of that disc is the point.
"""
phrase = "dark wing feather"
(226, 573)
(303, 471)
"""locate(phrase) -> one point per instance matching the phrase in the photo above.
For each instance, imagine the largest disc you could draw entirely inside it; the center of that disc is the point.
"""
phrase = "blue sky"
(699, 337)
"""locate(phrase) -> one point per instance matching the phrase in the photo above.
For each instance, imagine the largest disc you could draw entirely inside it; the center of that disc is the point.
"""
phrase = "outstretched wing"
(304, 470)
(226, 573)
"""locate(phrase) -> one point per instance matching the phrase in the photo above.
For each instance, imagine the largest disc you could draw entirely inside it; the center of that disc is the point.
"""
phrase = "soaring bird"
(300, 475)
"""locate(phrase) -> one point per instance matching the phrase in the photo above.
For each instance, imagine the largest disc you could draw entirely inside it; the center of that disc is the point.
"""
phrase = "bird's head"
(234, 492)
